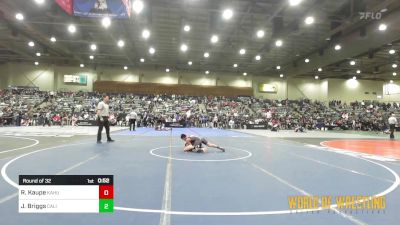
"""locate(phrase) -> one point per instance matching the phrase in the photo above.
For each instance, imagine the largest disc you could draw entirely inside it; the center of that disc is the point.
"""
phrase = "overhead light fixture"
(294, 2)
(184, 47)
(137, 6)
(72, 28)
(121, 43)
(309, 20)
(394, 65)
(278, 67)
(39, 2)
(316, 77)
(207, 72)
(167, 70)
(358, 71)
(152, 50)
(320, 69)
(391, 81)
(142, 60)
(36, 63)
(352, 62)
(244, 74)
(354, 78)
(227, 14)
(38, 54)
(394, 74)
(235, 65)
(258, 57)
(53, 39)
(125, 67)
(31, 44)
(214, 39)
(260, 33)
(145, 33)
(278, 43)
(242, 51)
(190, 63)
(186, 28)
(82, 65)
(338, 47)
(91, 57)
(206, 55)
(307, 60)
(281, 75)
(382, 27)
(106, 22)
(93, 47)
(392, 51)
(19, 16)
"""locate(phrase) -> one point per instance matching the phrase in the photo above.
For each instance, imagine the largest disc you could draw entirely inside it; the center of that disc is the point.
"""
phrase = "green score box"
(106, 205)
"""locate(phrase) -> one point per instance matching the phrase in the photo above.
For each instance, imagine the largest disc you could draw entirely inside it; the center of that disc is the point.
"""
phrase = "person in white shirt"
(231, 124)
(103, 114)
(132, 120)
(392, 125)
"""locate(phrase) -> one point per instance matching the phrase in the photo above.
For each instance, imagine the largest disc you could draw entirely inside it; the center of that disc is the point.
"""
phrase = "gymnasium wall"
(50, 77)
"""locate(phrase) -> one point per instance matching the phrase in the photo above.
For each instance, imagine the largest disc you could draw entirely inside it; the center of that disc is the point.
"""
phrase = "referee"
(103, 112)
(132, 120)
(392, 125)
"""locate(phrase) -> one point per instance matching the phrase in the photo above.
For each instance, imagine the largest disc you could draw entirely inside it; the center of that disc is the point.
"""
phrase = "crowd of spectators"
(31, 107)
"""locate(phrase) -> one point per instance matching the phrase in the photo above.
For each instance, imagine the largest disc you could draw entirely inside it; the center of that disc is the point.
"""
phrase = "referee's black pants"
(391, 128)
(132, 123)
(104, 124)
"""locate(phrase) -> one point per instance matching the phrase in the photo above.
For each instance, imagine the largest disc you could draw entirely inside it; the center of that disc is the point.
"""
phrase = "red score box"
(106, 192)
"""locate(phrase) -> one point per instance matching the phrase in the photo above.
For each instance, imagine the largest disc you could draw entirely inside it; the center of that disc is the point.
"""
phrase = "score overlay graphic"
(66, 194)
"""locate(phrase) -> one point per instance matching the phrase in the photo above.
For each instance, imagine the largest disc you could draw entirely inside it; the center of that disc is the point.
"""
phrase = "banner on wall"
(75, 79)
(267, 88)
(101, 8)
(66, 5)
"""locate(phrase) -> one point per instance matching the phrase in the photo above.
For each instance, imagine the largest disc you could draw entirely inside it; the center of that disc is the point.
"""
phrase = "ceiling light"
(258, 57)
(125, 67)
(242, 51)
(137, 6)
(392, 51)
(207, 72)
(278, 43)
(72, 28)
(121, 43)
(39, 2)
(235, 65)
(36, 63)
(31, 44)
(38, 54)
(281, 75)
(358, 71)
(93, 47)
(142, 60)
(184, 47)
(382, 27)
(338, 47)
(394, 65)
(244, 74)
(278, 67)
(106, 22)
(91, 57)
(186, 28)
(316, 77)
(145, 33)
(190, 63)
(320, 69)
(352, 62)
(53, 39)
(260, 33)
(394, 74)
(227, 14)
(19, 16)
(206, 55)
(354, 78)
(307, 60)
(82, 65)
(309, 20)
(214, 39)
(152, 50)
(167, 70)
(391, 81)
(295, 2)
